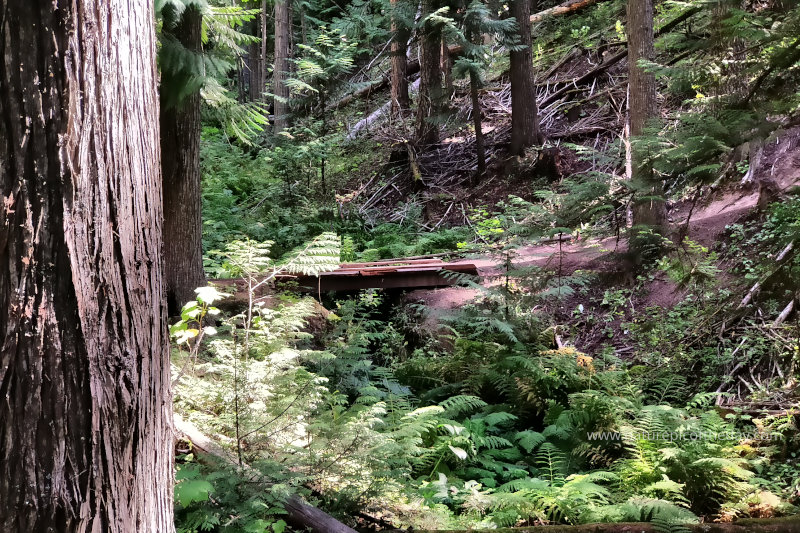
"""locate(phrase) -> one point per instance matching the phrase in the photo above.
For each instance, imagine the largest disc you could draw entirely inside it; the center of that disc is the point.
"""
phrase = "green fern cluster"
(185, 72)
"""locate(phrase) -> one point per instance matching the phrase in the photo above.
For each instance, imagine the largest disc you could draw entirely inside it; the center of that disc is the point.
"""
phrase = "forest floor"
(704, 224)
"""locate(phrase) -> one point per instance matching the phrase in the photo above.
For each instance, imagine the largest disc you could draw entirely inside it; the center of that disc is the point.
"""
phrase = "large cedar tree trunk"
(647, 211)
(180, 166)
(86, 435)
(430, 86)
(400, 98)
(283, 28)
(524, 113)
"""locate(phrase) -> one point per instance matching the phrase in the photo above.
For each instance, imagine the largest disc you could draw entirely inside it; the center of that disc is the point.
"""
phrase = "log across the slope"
(383, 81)
(298, 513)
(616, 58)
(570, 6)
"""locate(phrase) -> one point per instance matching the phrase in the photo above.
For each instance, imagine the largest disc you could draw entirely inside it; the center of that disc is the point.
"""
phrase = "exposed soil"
(779, 170)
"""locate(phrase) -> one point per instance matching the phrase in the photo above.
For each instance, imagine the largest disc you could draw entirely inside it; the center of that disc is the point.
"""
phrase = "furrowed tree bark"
(430, 86)
(180, 166)
(255, 66)
(261, 80)
(283, 28)
(649, 210)
(447, 69)
(401, 101)
(86, 433)
(524, 112)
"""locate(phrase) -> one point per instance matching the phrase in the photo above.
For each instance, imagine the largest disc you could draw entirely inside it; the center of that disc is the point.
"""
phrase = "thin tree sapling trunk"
(474, 82)
(283, 28)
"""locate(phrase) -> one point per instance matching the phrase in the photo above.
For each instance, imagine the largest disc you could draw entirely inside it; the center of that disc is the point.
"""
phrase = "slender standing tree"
(283, 29)
(400, 34)
(180, 164)
(253, 69)
(86, 439)
(480, 149)
(447, 68)
(430, 84)
(478, 23)
(648, 206)
(525, 130)
(261, 81)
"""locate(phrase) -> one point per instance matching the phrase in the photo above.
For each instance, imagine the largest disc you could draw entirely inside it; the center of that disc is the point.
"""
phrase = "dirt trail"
(565, 258)
(779, 171)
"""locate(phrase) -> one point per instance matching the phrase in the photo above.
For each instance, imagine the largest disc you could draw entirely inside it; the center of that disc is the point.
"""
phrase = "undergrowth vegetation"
(560, 394)
(488, 426)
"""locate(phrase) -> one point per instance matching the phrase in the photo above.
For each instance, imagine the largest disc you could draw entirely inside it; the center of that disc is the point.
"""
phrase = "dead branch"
(299, 513)
(383, 82)
(619, 56)
(571, 6)
(758, 284)
(784, 314)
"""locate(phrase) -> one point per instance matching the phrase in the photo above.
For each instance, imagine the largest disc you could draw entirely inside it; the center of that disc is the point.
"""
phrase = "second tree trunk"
(524, 112)
(180, 166)
(430, 85)
(648, 207)
(283, 28)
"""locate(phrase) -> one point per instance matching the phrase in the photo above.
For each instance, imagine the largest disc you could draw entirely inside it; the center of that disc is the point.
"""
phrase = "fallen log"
(375, 116)
(789, 524)
(298, 513)
(383, 82)
(571, 6)
(616, 58)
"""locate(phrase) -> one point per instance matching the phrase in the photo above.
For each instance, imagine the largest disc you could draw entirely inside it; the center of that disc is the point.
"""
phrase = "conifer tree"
(283, 31)
(400, 34)
(524, 111)
(430, 86)
(648, 207)
(477, 21)
(86, 441)
(188, 73)
(180, 165)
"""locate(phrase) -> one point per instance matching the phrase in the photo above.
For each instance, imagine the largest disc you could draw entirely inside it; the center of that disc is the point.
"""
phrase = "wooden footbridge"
(390, 274)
